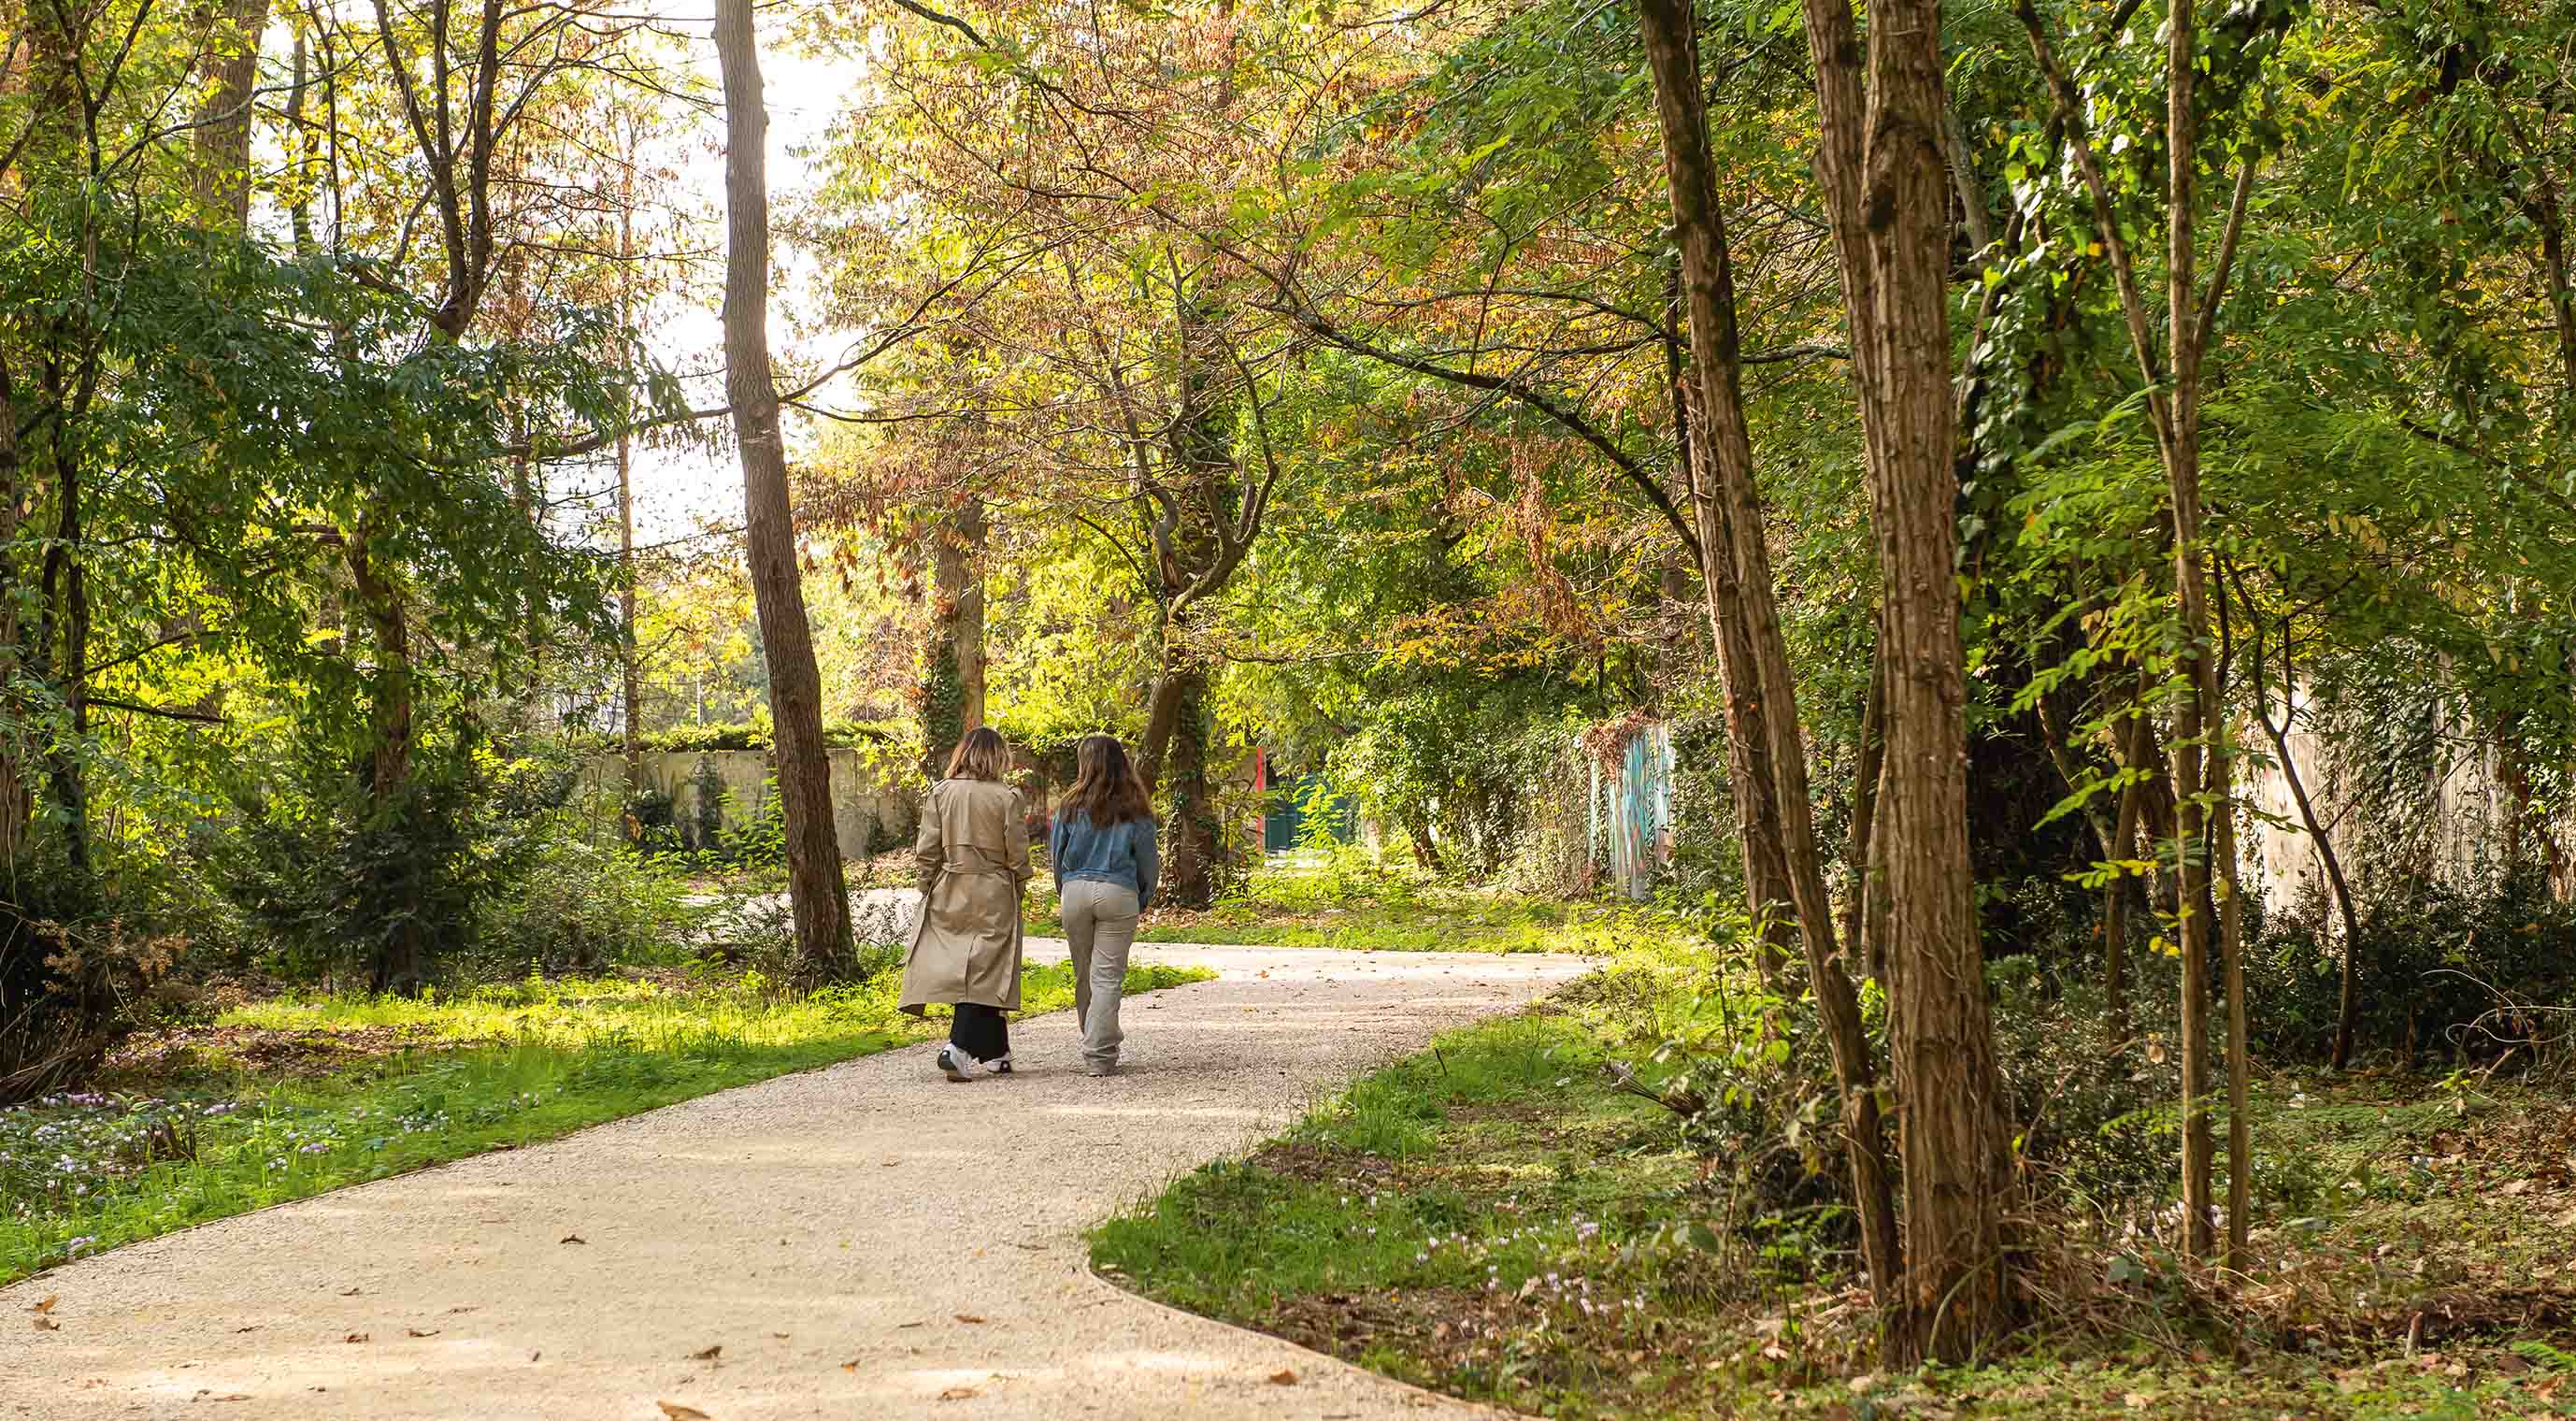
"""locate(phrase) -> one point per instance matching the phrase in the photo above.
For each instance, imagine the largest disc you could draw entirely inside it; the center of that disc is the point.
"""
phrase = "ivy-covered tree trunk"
(1194, 837)
(399, 958)
(1176, 728)
(817, 893)
(952, 678)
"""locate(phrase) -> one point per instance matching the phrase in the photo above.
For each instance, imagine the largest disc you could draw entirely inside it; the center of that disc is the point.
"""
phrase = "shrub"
(2447, 970)
(580, 906)
(73, 978)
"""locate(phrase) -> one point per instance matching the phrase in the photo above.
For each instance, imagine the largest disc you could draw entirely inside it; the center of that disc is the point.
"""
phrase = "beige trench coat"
(974, 857)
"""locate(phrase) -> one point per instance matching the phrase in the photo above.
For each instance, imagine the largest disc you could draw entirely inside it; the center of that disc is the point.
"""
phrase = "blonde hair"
(980, 756)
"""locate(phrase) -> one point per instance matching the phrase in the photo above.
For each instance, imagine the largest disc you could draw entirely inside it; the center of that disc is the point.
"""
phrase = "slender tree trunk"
(816, 890)
(299, 148)
(2116, 893)
(1766, 747)
(1887, 190)
(2348, 1008)
(17, 804)
(630, 677)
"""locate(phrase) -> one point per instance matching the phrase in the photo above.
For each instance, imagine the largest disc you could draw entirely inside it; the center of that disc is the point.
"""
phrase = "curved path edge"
(861, 1241)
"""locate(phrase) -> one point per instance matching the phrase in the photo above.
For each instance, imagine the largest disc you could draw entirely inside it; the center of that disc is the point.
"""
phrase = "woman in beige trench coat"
(974, 857)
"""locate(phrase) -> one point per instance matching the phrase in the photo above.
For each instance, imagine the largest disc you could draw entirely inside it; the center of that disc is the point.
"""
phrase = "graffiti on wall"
(1632, 810)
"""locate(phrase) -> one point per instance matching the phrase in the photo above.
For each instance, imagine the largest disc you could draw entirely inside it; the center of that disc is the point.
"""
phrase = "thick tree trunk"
(1887, 191)
(816, 890)
(1766, 749)
(222, 174)
(1189, 874)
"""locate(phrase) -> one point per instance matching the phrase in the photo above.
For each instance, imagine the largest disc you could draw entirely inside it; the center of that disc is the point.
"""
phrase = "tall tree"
(1881, 164)
(1766, 748)
(2204, 807)
(817, 892)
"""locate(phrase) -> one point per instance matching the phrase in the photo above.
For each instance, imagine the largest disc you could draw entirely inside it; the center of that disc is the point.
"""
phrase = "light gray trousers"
(1100, 926)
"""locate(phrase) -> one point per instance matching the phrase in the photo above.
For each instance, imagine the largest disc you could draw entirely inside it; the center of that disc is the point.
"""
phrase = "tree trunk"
(816, 891)
(222, 174)
(1190, 869)
(1766, 748)
(1887, 191)
(629, 675)
(2348, 1008)
(952, 682)
(399, 961)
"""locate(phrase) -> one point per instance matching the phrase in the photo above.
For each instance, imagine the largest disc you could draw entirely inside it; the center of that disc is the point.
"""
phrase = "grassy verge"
(1362, 906)
(1493, 1220)
(283, 1099)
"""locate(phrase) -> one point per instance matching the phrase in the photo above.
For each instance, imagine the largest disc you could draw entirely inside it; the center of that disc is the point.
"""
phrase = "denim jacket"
(1123, 854)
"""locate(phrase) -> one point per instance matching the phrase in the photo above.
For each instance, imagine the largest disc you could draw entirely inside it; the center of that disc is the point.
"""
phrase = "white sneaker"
(999, 1065)
(958, 1065)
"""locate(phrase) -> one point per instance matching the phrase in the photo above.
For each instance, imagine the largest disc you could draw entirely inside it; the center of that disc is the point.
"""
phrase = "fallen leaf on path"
(469, 1307)
(535, 1355)
(958, 1393)
(1285, 1376)
(236, 1396)
(416, 1332)
(781, 1336)
(708, 1355)
(355, 1337)
(851, 1365)
(348, 1292)
(574, 1238)
(47, 1324)
(901, 1325)
(47, 1303)
(968, 1317)
(677, 1412)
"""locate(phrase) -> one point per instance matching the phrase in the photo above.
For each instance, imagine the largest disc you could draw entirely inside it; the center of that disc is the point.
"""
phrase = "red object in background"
(1260, 770)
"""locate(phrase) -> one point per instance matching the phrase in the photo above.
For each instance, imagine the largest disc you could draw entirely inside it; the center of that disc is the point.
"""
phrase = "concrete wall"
(859, 801)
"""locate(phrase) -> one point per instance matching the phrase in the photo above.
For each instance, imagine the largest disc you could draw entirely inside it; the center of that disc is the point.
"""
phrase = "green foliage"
(2462, 973)
(739, 735)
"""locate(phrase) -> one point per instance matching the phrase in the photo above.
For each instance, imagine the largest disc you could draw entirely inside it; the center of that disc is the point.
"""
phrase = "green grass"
(1350, 904)
(219, 1129)
(1491, 1219)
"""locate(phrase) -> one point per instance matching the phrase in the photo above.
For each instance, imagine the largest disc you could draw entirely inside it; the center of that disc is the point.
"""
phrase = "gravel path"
(866, 1241)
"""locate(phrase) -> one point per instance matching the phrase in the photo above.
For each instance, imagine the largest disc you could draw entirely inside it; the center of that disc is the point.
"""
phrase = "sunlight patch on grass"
(492, 1068)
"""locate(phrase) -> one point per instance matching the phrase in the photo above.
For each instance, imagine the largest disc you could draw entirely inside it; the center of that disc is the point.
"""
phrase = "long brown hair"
(1105, 786)
(980, 756)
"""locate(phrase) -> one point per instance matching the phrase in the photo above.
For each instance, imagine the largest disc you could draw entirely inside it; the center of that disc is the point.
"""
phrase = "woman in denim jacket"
(1102, 847)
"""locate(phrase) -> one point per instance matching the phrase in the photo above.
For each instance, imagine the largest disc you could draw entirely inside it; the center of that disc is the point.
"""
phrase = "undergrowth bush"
(2449, 972)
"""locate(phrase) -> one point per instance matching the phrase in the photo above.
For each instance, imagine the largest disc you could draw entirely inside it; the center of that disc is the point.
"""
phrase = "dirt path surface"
(866, 1241)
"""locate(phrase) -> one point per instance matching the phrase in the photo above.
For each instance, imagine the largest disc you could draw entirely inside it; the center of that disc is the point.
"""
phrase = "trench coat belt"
(952, 870)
